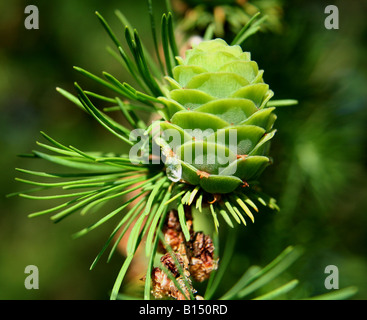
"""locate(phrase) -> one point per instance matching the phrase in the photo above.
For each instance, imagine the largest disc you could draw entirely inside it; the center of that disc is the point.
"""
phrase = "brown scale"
(196, 258)
(163, 286)
(201, 253)
(172, 231)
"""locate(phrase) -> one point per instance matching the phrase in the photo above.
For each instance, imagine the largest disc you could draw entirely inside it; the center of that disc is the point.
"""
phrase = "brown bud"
(161, 284)
(172, 231)
(201, 253)
(195, 258)
(170, 263)
(177, 294)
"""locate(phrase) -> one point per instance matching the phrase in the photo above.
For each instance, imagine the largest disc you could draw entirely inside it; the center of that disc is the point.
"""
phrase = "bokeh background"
(319, 173)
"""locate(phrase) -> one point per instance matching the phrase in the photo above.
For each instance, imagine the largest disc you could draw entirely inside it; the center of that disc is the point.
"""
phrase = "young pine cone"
(216, 91)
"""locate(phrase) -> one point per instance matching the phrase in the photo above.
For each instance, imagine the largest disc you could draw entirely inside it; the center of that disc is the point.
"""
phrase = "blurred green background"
(319, 173)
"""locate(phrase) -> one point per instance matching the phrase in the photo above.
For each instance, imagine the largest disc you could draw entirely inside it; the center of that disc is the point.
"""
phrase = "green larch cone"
(217, 93)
